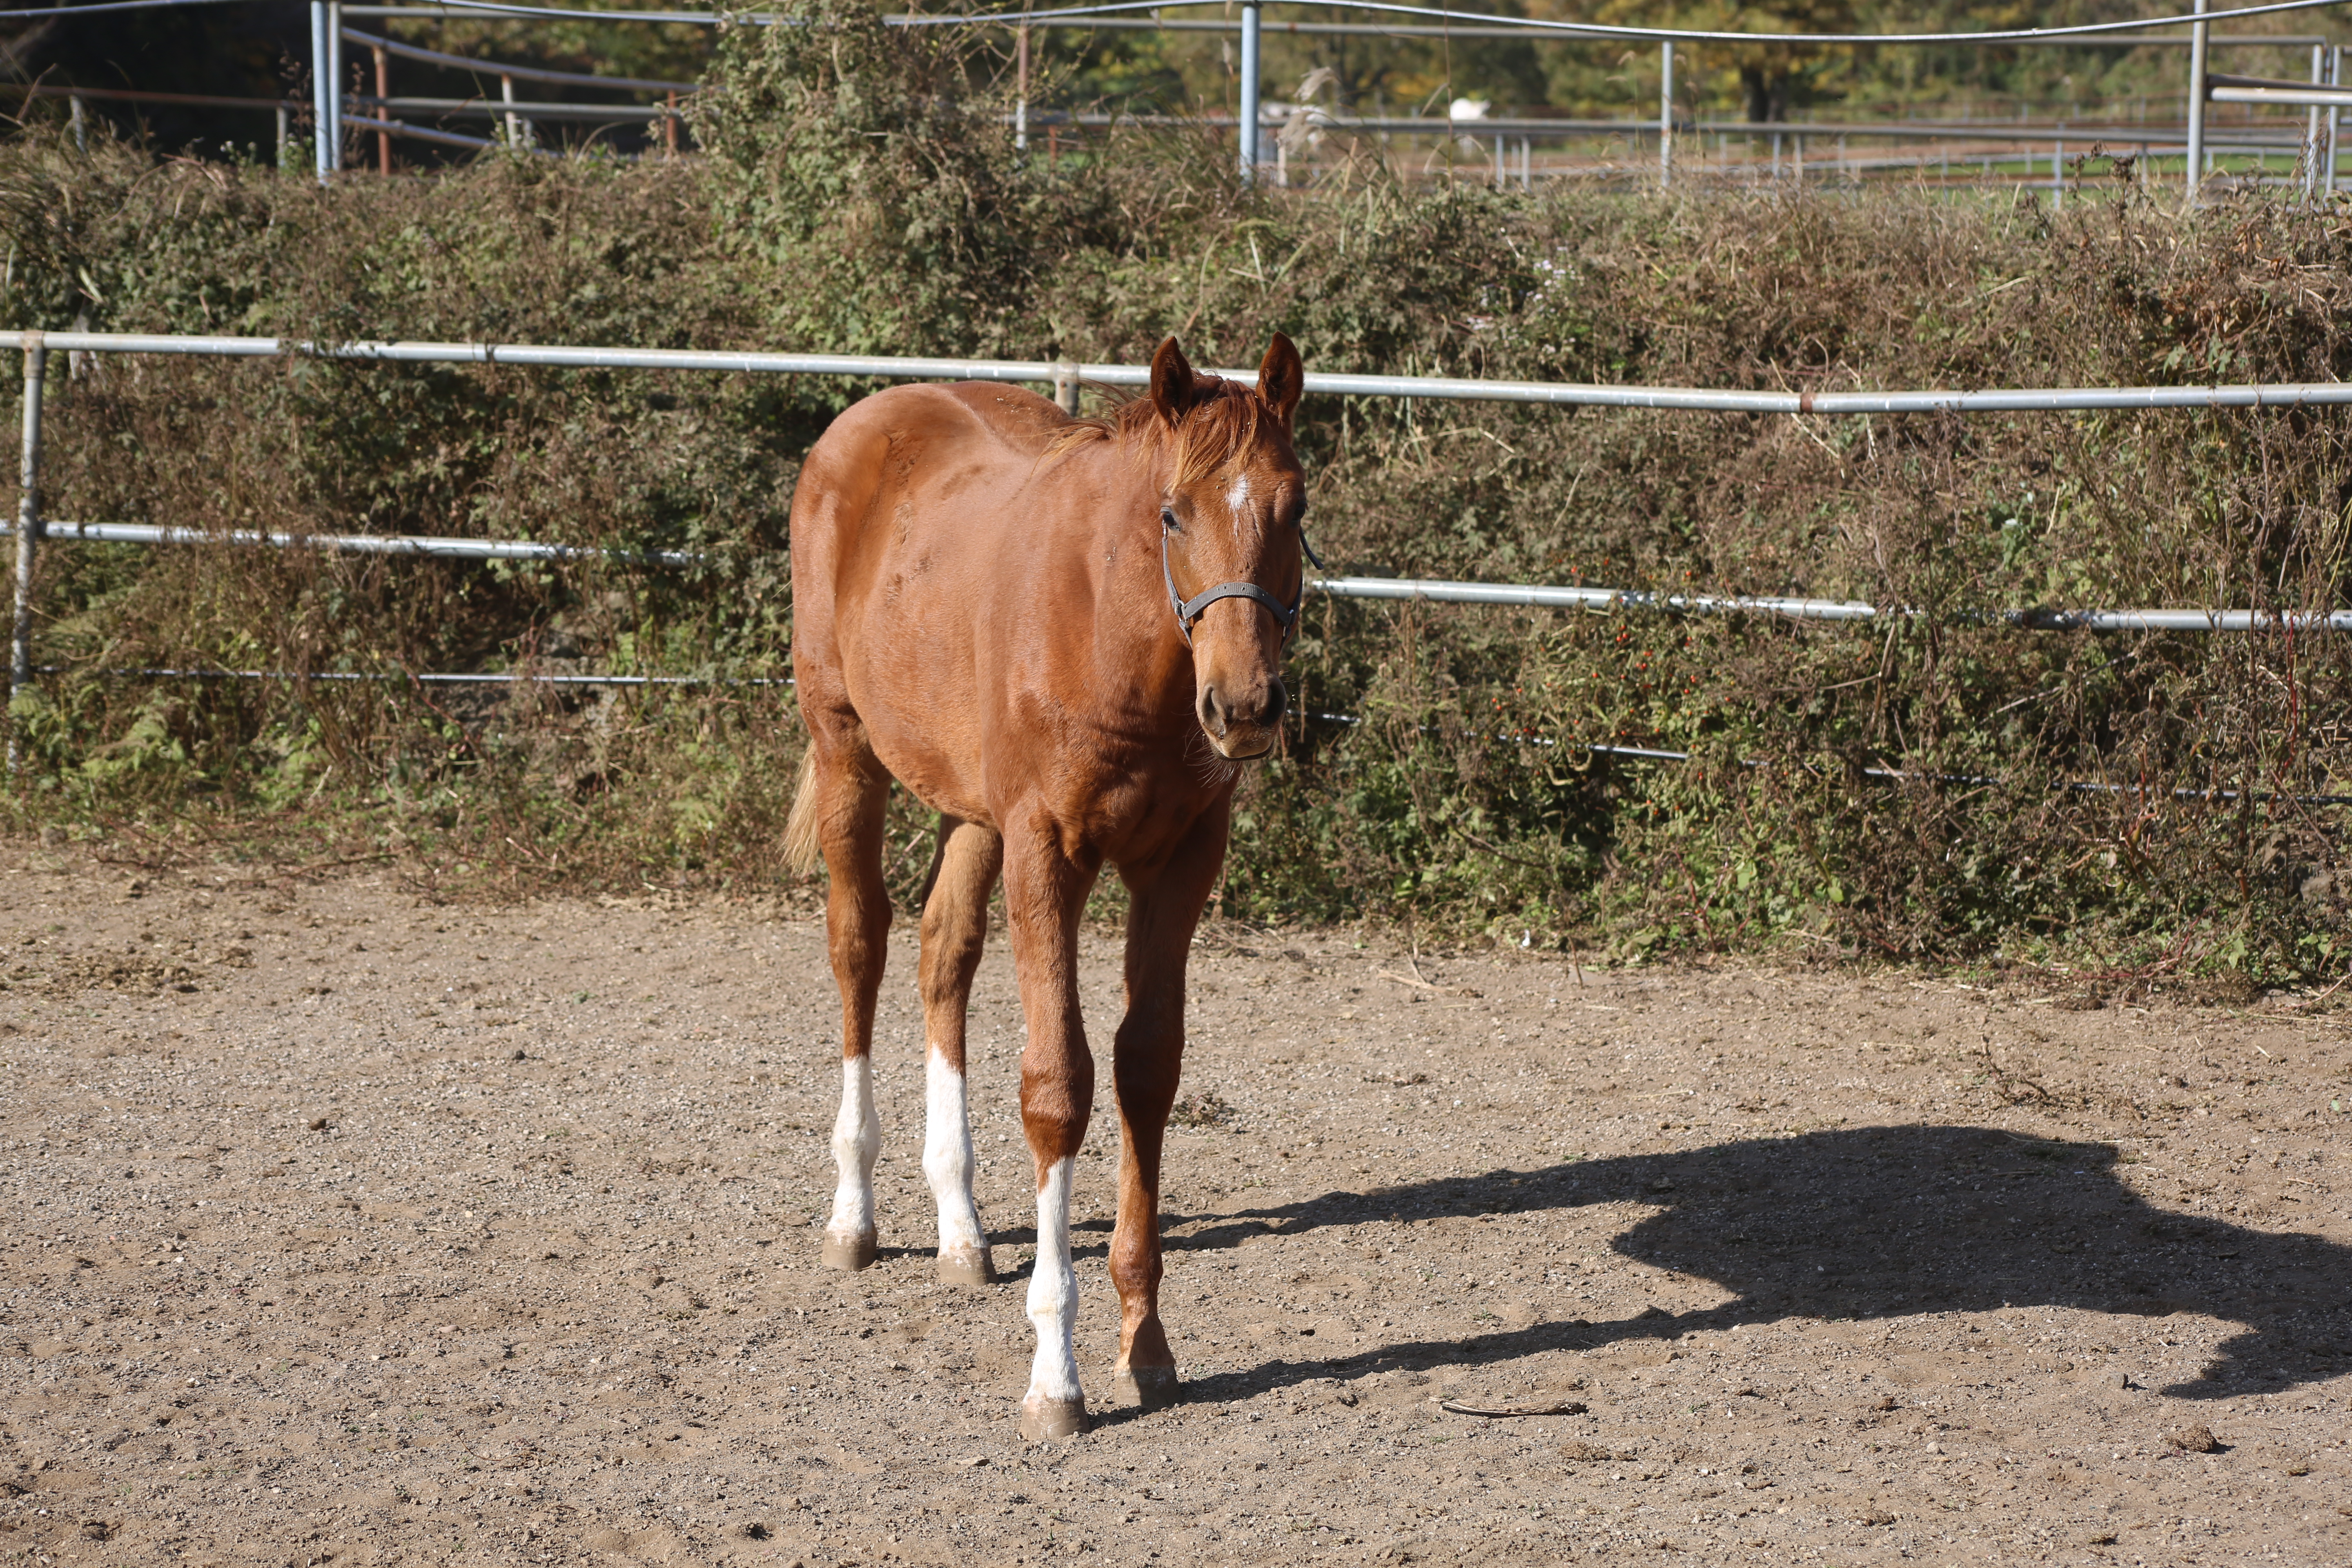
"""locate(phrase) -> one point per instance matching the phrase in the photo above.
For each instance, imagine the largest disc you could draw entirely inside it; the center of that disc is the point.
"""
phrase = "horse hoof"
(1152, 1387)
(971, 1265)
(848, 1253)
(1043, 1420)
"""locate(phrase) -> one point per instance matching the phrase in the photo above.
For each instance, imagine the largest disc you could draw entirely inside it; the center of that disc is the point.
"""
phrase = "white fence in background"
(1066, 377)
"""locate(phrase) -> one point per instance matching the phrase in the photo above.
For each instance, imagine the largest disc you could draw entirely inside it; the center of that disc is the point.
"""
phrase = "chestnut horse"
(1065, 635)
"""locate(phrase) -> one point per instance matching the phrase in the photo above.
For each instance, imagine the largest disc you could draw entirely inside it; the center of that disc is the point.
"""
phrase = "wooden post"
(1020, 100)
(669, 127)
(383, 91)
(514, 124)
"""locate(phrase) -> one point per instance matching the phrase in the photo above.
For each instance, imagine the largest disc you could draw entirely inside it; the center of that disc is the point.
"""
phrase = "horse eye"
(1168, 520)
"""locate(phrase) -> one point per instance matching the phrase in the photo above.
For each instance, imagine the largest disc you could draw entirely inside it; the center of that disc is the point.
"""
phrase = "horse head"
(1232, 504)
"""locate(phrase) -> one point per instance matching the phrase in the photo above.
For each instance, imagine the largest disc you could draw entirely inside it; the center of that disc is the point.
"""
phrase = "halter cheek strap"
(1189, 610)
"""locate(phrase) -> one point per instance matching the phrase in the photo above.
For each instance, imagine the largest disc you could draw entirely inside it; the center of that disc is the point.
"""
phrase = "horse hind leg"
(843, 791)
(955, 928)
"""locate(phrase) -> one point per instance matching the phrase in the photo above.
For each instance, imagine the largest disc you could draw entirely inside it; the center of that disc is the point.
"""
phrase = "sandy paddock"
(343, 1227)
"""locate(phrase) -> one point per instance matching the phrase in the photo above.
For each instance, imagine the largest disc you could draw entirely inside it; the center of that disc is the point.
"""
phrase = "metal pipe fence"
(402, 129)
(1594, 748)
(415, 545)
(2091, 32)
(328, 34)
(28, 533)
(519, 72)
(2277, 395)
(1525, 595)
(2116, 133)
(1065, 378)
(1541, 596)
(492, 678)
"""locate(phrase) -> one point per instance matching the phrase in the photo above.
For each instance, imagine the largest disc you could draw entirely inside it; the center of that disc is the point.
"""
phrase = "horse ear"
(1281, 378)
(1174, 389)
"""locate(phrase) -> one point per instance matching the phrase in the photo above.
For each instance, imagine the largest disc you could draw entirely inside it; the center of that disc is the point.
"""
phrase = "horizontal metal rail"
(1556, 598)
(519, 108)
(1530, 596)
(2276, 136)
(1081, 22)
(439, 138)
(1636, 753)
(2088, 31)
(500, 677)
(479, 10)
(2270, 396)
(129, 95)
(520, 73)
(2282, 97)
(2084, 30)
(1539, 597)
(357, 543)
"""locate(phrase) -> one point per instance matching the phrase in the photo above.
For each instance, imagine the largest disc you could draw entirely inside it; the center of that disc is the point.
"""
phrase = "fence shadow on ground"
(1862, 1223)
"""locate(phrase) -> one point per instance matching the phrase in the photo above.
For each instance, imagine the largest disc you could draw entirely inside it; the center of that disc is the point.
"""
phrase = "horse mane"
(1221, 424)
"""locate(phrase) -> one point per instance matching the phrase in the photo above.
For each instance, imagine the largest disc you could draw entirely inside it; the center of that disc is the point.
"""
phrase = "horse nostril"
(1277, 702)
(1212, 710)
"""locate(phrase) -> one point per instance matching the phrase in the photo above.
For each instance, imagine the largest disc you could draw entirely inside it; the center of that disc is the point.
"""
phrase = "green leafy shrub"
(1935, 784)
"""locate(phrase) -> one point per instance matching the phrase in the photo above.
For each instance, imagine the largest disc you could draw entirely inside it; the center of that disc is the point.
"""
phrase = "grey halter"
(1189, 610)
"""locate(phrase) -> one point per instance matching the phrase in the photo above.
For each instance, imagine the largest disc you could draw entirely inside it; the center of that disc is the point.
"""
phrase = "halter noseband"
(1189, 610)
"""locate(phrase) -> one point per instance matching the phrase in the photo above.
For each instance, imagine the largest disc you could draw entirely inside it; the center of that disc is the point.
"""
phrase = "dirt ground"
(345, 1228)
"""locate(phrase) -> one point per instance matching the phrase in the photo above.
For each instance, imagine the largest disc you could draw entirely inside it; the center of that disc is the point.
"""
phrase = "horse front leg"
(1044, 889)
(955, 927)
(1146, 1058)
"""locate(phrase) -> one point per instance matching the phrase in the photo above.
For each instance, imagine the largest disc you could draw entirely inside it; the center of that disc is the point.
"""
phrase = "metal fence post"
(1247, 114)
(321, 135)
(2335, 120)
(28, 533)
(334, 85)
(2197, 37)
(1065, 386)
(2312, 125)
(1665, 113)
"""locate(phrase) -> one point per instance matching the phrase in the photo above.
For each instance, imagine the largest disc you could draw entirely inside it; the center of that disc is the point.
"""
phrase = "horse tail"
(801, 848)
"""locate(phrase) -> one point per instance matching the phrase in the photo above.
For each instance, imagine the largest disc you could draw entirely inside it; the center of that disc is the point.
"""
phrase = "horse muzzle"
(1241, 725)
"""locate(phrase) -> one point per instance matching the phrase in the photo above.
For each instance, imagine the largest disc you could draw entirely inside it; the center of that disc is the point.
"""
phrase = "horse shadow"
(1864, 1223)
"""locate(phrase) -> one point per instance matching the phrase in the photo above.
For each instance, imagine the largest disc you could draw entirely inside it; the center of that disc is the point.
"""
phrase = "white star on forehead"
(1237, 498)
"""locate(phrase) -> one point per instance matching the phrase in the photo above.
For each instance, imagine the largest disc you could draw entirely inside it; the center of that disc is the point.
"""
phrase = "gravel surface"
(345, 1228)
